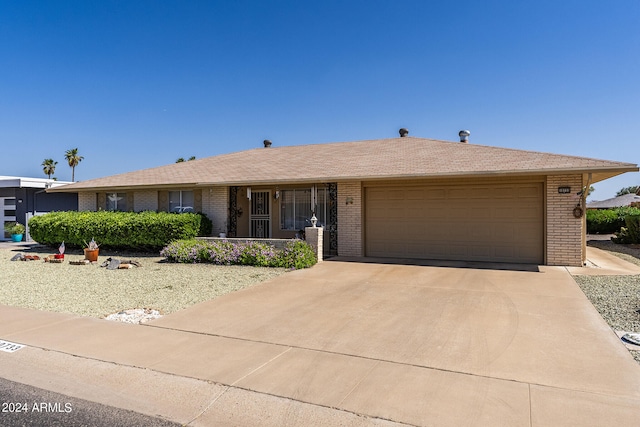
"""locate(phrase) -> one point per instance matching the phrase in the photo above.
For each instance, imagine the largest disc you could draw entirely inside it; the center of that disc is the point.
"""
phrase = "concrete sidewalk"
(349, 344)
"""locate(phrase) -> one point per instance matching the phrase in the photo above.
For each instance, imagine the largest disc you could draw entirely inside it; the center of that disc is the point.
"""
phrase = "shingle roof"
(407, 157)
(615, 202)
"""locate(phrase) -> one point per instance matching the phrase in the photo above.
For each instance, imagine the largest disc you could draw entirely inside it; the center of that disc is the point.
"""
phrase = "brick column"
(564, 230)
(215, 204)
(313, 236)
(350, 219)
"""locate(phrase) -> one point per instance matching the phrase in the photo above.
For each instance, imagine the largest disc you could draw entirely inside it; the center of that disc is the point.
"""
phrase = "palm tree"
(73, 159)
(49, 167)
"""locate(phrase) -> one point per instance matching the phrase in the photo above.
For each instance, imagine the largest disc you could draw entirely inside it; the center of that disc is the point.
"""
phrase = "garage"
(491, 222)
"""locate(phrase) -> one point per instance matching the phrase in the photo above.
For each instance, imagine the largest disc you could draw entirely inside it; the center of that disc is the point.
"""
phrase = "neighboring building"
(21, 198)
(400, 197)
(632, 199)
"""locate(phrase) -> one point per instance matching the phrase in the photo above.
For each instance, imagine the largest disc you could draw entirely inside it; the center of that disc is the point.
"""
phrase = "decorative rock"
(135, 315)
(115, 264)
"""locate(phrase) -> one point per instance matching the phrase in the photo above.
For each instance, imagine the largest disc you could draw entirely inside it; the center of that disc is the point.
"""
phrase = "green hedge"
(117, 230)
(608, 221)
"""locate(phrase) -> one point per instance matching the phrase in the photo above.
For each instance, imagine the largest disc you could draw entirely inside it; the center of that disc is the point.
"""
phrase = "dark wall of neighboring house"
(34, 199)
(7, 192)
(48, 202)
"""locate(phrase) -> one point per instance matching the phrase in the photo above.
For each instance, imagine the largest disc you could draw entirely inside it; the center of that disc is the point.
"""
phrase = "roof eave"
(120, 188)
(597, 174)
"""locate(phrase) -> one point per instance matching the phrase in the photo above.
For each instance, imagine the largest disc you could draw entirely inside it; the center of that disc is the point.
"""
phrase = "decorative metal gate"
(232, 228)
(332, 222)
(260, 219)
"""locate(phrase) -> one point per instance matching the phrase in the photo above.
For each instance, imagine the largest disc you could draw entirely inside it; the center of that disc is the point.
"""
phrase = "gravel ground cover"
(617, 298)
(91, 290)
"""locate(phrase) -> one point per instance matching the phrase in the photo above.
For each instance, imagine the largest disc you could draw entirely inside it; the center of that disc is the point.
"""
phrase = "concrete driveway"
(372, 344)
(431, 345)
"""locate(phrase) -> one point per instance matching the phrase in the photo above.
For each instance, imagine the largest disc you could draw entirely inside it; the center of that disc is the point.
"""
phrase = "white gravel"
(91, 290)
(617, 298)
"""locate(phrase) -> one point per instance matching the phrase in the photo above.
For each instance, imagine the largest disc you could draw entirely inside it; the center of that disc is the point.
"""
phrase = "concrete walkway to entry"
(349, 343)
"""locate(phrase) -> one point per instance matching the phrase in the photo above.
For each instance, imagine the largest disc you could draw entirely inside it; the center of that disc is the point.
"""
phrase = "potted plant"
(16, 230)
(91, 251)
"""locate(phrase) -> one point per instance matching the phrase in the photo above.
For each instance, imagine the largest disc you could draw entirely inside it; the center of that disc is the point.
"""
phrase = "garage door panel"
(457, 193)
(530, 191)
(482, 193)
(415, 194)
(480, 233)
(504, 251)
(505, 193)
(481, 252)
(501, 223)
(435, 194)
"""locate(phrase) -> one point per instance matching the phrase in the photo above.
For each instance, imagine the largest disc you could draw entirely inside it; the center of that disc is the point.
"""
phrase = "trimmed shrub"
(296, 255)
(206, 225)
(630, 233)
(602, 221)
(607, 221)
(118, 230)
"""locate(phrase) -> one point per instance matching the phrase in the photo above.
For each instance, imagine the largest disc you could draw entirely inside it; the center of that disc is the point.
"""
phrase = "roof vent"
(464, 135)
(266, 143)
(403, 132)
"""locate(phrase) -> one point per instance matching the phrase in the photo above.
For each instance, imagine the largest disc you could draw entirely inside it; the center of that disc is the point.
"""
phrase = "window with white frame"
(117, 202)
(181, 201)
(296, 208)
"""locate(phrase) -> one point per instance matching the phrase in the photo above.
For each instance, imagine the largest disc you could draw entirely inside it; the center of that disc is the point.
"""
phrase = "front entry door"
(260, 219)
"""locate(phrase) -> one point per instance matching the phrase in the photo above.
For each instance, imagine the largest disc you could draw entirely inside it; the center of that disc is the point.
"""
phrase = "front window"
(296, 209)
(181, 201)
(117, 202)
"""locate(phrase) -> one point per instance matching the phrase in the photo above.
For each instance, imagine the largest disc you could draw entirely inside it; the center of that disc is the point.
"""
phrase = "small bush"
(117, 230)
(630, 233)
(206, 225)
(607, 221)
(14, 228)
(297, 254)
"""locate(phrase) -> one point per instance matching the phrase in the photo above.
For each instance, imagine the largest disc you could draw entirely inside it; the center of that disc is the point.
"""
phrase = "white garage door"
(499, 223)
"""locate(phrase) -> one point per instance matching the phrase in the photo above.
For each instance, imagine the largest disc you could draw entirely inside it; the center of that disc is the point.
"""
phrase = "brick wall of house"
(87, 201)
(350, 219)
(215, 204)
(145, 200)
(565, 243)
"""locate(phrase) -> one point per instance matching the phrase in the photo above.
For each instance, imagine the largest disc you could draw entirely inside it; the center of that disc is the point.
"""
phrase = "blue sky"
(137, 84)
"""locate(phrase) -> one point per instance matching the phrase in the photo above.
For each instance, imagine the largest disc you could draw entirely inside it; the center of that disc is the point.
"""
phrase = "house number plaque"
(564, 190)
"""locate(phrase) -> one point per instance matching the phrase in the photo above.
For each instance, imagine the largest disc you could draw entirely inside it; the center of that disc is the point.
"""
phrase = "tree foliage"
(73, 159)
(627, 190)
(49, 167)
